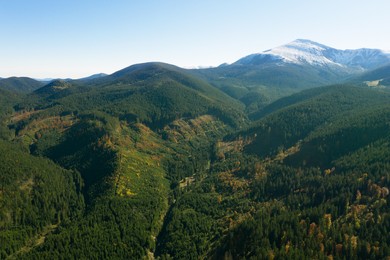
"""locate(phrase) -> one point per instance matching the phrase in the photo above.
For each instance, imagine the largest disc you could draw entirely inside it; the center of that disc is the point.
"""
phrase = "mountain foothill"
(281, 154)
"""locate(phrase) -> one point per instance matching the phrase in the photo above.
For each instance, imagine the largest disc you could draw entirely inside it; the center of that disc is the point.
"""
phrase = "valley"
(282, 154)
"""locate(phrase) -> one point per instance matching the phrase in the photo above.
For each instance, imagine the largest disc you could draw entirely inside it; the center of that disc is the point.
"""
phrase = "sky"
(78, 38)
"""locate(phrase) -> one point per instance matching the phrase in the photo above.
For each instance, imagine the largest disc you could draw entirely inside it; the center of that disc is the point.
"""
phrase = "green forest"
(158, 162)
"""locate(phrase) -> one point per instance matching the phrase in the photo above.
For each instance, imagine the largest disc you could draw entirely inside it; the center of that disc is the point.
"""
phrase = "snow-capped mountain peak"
(302, 51)
(307, 52)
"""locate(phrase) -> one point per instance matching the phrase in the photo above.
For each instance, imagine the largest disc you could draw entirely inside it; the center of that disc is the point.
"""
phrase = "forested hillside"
(154, 161)
(272, 192)
(36, 197)
(131, 140)
(290, 119)
(7, 101)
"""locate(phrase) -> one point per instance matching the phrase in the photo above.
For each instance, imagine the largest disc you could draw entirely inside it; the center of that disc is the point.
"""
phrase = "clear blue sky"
(77, 38)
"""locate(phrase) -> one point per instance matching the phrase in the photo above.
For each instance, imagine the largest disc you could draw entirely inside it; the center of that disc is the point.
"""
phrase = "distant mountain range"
(258, 79)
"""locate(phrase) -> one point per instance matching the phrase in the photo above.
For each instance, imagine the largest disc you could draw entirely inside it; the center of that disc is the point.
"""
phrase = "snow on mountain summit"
(306, 52)
(302, 51)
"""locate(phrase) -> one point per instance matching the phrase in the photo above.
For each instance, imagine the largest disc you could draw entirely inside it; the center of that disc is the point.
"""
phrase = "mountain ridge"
(20, 84)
